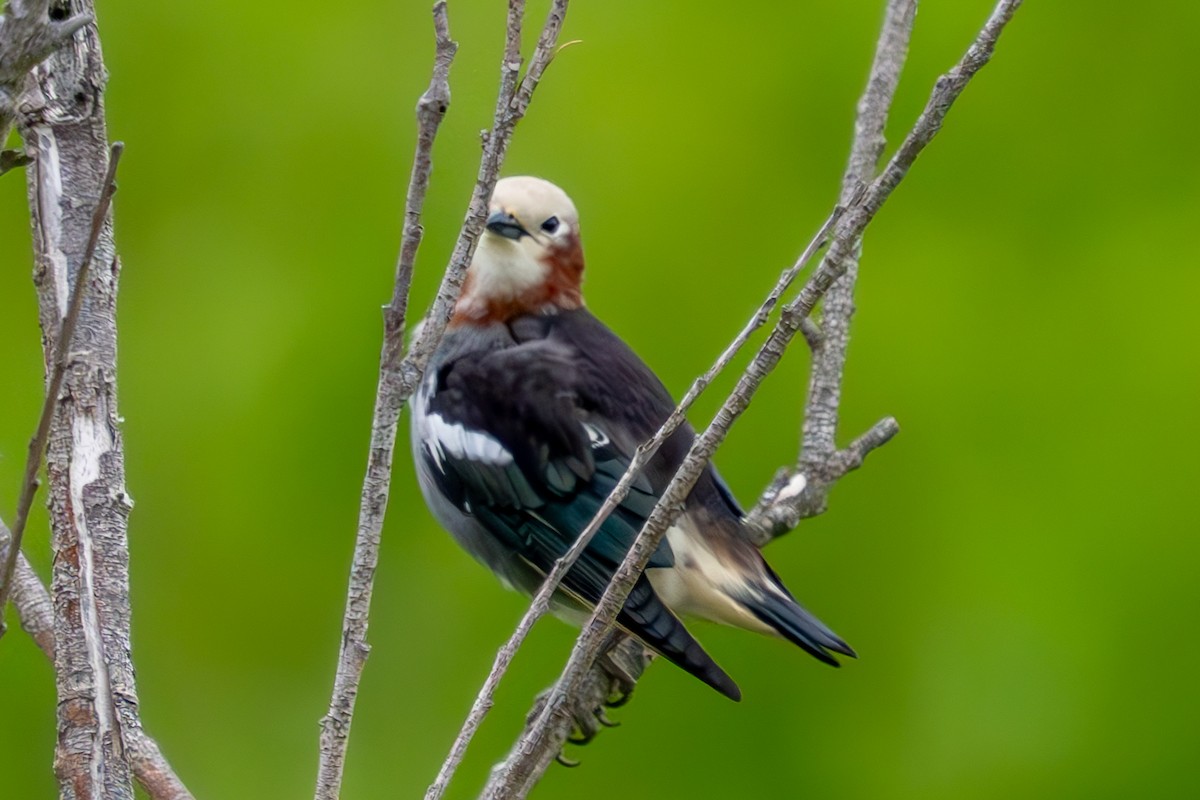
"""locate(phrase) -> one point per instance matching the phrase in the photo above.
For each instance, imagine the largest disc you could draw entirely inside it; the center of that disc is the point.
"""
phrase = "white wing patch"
(596, 437)
(442, 438)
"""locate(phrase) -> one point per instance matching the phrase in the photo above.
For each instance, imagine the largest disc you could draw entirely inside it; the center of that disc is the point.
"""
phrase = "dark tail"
(775, 606)
(645, 616)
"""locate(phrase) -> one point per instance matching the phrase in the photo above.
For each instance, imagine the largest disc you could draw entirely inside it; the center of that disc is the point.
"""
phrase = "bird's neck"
(486, 300)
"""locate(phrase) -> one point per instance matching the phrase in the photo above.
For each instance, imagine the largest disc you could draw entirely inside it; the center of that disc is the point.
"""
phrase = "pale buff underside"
(694, 586)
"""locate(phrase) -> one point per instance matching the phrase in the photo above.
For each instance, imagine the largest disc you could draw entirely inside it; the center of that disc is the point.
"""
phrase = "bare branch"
(63, 129)
(541, 601)
(151, 769)
(837, 309)
(537, 747)
(397, 382)
(30, 598)
(389, 398)
(431, 109)
(511, 105)
(820, 462)
(37, 445)
(782, 505)
(33, 605)
(812, 334)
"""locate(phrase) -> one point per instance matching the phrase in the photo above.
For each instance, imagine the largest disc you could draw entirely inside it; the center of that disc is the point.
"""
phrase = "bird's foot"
(610, 685)
(585, 722)
(622, 681)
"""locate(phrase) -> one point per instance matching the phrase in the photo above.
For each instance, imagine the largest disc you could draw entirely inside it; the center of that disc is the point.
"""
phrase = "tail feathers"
(645, 616)
(796, 624)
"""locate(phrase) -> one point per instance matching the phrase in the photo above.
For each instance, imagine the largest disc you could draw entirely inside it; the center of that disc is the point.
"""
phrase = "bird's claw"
(583, 737)
(623, 682)
(617, 669)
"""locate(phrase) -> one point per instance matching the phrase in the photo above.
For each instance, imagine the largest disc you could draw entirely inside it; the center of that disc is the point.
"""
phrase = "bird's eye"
(550, 225)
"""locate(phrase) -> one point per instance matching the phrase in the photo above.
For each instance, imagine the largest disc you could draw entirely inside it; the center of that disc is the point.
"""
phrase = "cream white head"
(529, 259)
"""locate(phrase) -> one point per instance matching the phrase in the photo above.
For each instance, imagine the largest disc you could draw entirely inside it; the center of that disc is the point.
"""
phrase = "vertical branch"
(398, 381)
(542, 739)
(837, 309)
(389, 398)
(511, 104)
(775, 515)
(37, 445)
(63, 128)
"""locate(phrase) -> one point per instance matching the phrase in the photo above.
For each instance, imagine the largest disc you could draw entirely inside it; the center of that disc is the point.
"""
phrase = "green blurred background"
(1018, 569)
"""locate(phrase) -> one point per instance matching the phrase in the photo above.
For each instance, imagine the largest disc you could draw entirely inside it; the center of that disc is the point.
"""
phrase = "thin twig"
(812, 333)
(819, 462)
(534, 751)
(398, 381)
(511, 105)
(837, 308)
(34, 608)
(779, 511)
(352, 654)
(541, 601)
(431, 109)
(37, 445)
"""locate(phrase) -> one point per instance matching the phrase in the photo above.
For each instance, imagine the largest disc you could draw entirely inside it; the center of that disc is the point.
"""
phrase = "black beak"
(504, 224)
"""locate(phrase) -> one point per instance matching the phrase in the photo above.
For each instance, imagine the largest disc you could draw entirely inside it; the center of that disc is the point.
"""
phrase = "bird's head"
(529, 259)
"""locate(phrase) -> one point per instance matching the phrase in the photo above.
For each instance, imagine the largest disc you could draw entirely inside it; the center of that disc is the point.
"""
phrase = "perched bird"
(528, 415)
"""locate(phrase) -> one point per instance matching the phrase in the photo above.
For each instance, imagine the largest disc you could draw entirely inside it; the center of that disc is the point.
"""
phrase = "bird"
(528, 414)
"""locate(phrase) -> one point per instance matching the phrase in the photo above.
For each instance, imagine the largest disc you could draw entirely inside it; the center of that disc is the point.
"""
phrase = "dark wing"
(520, 438)
(509, 434)
(622, 395)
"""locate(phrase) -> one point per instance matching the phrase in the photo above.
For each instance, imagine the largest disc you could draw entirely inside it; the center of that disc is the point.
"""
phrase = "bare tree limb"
(399, 378)
(538, 746)
(789, 498)
(33, 604)
(389, 399)
(511, 105)
(151, 769)
(30, 598)
(821, 464)
(37, 445)
(61, 121)
(27, 35)
(837, 308)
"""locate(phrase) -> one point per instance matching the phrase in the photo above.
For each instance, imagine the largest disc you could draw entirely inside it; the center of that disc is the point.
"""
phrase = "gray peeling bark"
(30, 598)
(62, 125)
(36, 612)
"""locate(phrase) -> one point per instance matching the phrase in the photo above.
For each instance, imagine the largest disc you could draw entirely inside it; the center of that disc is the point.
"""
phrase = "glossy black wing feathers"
(519, 396)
